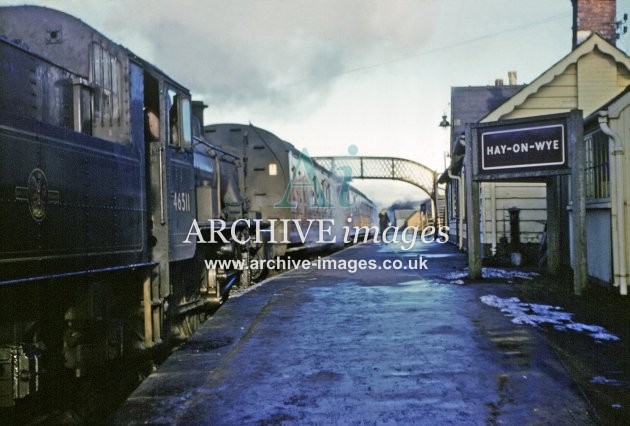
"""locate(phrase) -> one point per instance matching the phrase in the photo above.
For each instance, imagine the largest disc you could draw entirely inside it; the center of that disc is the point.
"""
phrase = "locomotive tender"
(104, 166)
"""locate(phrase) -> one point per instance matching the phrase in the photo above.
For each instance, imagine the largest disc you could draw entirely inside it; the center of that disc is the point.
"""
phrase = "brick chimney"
(594, 16)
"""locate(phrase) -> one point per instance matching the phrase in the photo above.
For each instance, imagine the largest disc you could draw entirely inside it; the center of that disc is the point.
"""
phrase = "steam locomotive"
(105, 165)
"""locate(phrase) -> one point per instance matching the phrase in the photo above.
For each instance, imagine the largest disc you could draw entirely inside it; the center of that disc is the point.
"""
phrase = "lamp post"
(443, 124)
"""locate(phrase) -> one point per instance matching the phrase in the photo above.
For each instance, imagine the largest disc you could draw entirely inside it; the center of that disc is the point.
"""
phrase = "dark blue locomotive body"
(98, 189)
(72, 202)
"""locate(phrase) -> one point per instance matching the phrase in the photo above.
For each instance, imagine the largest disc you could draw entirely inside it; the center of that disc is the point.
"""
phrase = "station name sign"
(526, 147)
(522, 148)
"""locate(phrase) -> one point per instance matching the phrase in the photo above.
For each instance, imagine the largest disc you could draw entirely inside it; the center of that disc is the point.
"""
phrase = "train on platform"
(105, 165)
(284, 187)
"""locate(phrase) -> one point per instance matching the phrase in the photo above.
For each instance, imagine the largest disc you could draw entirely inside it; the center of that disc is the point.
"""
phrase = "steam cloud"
(271, 53)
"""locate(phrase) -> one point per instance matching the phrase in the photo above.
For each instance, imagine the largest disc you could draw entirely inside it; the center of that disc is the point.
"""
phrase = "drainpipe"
(617, 204)
(493, 216)
(460, 210)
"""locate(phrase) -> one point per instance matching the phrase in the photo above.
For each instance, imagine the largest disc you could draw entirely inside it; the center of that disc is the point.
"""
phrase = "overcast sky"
(324, 74)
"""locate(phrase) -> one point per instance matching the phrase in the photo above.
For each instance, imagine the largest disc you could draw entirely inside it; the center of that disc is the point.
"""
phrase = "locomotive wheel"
(213, 283)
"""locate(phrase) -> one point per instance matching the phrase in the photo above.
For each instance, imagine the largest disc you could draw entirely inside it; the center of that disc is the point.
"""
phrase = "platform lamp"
(443, 124)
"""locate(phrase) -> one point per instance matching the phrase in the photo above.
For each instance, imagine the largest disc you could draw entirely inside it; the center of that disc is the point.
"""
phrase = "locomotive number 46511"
(181, 201)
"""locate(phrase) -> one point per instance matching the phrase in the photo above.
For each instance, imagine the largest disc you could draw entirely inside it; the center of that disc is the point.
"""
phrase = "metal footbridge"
(392, 168)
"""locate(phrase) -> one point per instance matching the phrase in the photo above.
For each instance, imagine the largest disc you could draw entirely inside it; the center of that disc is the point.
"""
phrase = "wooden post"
(473, 227)
(146, 306)
(578, 196)
(503, 158)
(554, 227)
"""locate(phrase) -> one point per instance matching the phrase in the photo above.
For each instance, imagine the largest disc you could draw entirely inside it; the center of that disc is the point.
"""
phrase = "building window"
(596, 166)
(453, 199)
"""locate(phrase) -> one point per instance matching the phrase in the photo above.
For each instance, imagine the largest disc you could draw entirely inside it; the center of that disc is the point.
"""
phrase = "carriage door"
(180, 173)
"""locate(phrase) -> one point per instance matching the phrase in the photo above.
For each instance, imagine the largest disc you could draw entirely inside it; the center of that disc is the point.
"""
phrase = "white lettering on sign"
(553, 145)
(513, 148)
(542, 145)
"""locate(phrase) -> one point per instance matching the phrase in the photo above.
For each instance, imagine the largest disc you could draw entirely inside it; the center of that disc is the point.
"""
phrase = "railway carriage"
(283, 183)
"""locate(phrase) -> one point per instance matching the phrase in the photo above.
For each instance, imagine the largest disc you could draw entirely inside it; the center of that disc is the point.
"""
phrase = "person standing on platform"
(383, 221)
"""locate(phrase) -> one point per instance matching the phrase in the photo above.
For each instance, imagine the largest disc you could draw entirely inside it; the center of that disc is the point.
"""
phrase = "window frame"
(597, 166)
(176, 99)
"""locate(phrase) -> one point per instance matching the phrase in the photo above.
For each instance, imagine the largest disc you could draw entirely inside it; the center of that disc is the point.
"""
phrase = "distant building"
(468, 105)
(417, 219)
(401, 216)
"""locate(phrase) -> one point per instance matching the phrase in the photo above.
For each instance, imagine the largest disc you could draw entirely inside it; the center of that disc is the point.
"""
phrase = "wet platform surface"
(373, 347)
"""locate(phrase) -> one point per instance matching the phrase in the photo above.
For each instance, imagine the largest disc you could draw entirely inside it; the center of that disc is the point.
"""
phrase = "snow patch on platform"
(501, 273)
(601, 380)
(535, 315)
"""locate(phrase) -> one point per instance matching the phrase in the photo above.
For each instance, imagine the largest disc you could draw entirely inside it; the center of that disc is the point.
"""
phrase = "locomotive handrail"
(197, 140)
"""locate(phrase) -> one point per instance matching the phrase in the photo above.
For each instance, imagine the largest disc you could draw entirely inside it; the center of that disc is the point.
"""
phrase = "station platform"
(376, 346)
